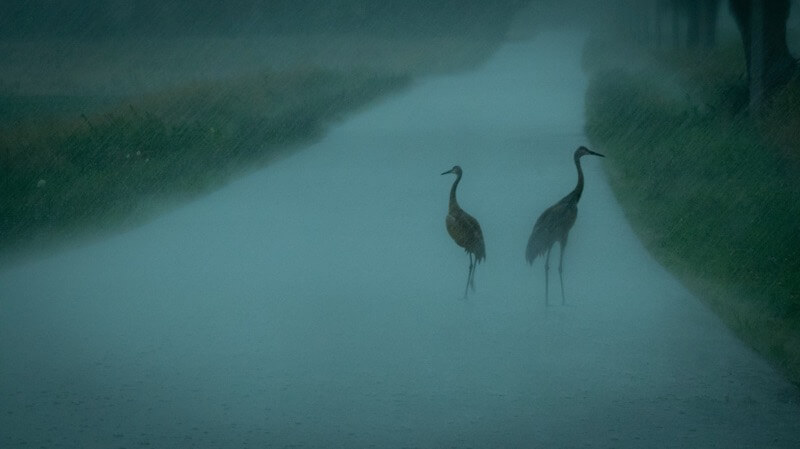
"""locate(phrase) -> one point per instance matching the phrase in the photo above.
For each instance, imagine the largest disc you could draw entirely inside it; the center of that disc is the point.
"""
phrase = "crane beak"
(448, 171)
(595, 154)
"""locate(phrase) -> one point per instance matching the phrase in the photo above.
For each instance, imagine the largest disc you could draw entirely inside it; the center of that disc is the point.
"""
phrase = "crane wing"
(477, 245)
(466, 232)
(552, 226)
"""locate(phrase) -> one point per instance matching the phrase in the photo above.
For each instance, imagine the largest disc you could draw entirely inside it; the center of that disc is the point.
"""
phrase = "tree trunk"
(757, 59)
(658, 8)
(762, 25)
(676, 25)
(693, 14)
(709, 13)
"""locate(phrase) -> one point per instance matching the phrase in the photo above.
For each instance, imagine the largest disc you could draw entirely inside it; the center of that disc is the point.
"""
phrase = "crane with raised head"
(554, 225)
(465, 231)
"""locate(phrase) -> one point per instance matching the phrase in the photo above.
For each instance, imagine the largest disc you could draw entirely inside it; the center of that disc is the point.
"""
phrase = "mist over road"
(315, 303)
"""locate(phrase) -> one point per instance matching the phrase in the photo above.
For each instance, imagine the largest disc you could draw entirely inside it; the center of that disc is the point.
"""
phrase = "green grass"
(98, 136)
(16, 107)
(713, 191)
(72, 176)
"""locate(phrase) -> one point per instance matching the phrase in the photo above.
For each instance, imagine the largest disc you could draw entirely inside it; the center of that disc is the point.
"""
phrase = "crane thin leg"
(561, 271)
(472, 277)
(469, 275)
(547, 278)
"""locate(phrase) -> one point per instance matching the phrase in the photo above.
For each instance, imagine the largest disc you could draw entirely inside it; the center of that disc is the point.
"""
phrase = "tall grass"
(99, 170)
(712, 190)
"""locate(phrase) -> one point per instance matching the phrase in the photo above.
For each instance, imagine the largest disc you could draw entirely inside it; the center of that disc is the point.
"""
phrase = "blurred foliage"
(115, 18)
(75, 157)
(714, 79)
(712, 189)
(15, 106)
(60, 176)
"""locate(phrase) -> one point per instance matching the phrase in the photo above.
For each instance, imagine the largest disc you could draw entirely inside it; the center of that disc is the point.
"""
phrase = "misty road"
(316, 302)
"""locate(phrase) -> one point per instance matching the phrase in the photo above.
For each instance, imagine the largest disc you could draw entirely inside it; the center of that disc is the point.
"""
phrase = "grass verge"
(78, 159)
(712, 191)
(71, 177)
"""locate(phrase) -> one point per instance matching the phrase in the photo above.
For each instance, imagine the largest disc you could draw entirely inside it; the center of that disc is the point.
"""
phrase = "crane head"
(456, 169)
(583, 151)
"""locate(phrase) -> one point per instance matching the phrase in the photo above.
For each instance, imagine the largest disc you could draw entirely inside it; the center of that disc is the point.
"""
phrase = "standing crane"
(554, 225)
(465, 231)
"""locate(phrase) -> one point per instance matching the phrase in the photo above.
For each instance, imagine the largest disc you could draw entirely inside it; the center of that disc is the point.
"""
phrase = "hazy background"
(257, 257)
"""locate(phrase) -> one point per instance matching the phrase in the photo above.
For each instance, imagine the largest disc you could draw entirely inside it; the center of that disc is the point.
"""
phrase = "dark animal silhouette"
(554, 225)
(465, 231)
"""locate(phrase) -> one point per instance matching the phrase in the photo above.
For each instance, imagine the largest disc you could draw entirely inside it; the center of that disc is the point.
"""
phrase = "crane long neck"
(576, 194)
(453, 202)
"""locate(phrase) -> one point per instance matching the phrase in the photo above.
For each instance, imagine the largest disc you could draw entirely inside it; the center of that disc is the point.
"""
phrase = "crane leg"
(472, 277)
(547, 277)
(469, 276)
(561, 271)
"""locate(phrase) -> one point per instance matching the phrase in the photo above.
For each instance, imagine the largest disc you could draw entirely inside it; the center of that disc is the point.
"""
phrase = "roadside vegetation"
(712, 190)
(112, 113)
(86, 172)
(86, 152)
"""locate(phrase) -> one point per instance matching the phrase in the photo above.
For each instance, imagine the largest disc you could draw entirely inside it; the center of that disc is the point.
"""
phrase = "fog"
(316, 302)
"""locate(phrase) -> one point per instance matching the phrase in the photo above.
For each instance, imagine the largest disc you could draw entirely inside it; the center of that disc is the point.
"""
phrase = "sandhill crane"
(465, 231)
(554, 225)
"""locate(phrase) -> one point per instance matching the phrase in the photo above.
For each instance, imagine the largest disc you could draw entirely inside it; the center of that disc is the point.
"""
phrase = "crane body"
(465, 230)
(554, 224)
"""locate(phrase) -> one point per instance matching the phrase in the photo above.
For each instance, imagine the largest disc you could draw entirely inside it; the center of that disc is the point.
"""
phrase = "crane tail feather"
(534, 249)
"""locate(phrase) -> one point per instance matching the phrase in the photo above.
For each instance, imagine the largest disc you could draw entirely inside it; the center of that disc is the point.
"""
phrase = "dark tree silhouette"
(709, 11)
(762, 25)
(692, 22)
(702, 22)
